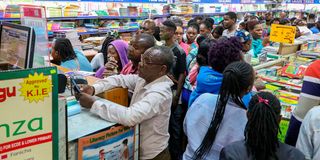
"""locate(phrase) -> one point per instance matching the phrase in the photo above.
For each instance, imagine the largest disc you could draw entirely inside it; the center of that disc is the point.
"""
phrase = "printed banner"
(282, 33)
(35, 17)
(29, 114)
(117, 143)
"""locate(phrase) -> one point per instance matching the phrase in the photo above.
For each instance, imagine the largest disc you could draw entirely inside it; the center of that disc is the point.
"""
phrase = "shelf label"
(282, 33)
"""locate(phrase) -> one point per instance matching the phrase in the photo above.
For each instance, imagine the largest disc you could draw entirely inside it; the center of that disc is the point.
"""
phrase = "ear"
(163, 70)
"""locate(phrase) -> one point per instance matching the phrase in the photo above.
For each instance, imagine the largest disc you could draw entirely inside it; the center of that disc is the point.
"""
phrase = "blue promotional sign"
(124, 1)
(295, 1)
(217, 1)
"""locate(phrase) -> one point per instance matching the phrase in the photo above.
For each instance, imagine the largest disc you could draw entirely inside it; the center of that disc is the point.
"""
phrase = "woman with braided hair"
(214, 121)
(261, 133)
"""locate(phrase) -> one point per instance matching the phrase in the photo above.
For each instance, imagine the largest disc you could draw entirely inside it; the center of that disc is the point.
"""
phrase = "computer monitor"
(16, 46)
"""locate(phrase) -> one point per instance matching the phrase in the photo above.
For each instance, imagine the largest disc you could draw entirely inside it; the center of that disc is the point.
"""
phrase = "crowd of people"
(193, 89)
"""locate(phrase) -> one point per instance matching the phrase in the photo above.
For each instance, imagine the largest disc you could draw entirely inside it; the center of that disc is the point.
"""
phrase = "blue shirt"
(208, 81)
(315, 30)
(81, 63)
(198, 119)
(256, 46)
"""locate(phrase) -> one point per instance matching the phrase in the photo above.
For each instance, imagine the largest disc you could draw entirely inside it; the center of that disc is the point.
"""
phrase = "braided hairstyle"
(238, 78)
(64, 48)
(104, 48)
(262, 127)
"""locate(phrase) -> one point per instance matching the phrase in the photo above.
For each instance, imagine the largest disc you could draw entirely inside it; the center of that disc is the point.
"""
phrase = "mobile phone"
(76, 88)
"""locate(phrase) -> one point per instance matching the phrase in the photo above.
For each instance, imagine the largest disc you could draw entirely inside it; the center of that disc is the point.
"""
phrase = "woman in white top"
(214, 121)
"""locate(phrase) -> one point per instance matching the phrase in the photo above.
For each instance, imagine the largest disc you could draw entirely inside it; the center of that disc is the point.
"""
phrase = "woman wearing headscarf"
(116, 58)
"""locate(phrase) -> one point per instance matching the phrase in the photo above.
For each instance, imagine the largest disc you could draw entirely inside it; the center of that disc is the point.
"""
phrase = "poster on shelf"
(35, 17)
(282, 33)
(116, 143)
(29, 114)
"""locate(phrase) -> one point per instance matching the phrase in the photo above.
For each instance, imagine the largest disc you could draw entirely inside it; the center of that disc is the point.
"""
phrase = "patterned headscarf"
(243, 35)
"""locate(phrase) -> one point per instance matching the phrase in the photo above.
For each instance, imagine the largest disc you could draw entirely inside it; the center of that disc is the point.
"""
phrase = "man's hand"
(175, 102)
(85, 100)
(87, 89)
(108, 73)
(266, 41)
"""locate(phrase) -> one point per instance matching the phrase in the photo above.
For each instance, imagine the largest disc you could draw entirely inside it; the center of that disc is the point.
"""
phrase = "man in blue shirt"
(316, 28)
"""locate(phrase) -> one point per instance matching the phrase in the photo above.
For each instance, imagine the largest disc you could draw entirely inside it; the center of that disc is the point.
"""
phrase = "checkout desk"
(86, 123)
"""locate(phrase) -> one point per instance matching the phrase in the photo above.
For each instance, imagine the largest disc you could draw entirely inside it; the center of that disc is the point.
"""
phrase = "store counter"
(84, 124)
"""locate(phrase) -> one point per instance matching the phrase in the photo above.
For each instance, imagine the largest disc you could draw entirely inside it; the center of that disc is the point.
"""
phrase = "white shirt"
(309, 136)
(228, 34)
(198, 119)
(150, 107)
(97, 61)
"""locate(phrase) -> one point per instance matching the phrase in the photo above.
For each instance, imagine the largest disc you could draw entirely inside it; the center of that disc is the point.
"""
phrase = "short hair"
(219, 30)
(210, 20)
(200, 39)
(146, 39)
(204, 47)
(125, 141)
(64, 48)
(275, 19)
(177, 21)
(284, 21)
(208, 24)
(150, 21)
(224, 52)
(195, 26)
(252, 24)
(163, 55)
(232, 15)
(191, 21)
(170, 24)
(198, 18)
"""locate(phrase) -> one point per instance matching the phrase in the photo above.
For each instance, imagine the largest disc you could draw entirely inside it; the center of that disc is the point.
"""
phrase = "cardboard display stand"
(29, 114)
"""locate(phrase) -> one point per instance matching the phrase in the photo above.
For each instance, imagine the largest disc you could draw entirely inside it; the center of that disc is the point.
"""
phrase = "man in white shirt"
(150, 104)
(309, 136)
(230, 24)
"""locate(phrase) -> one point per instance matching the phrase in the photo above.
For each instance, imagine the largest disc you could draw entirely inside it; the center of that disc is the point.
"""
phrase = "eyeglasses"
(143, 28)
(143, 61)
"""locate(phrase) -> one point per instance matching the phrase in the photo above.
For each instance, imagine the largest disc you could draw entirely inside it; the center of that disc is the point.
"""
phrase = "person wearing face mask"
(255, 29)
(138, 45)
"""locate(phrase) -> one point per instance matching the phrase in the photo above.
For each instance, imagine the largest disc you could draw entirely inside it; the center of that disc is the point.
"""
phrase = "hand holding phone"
(76, 88)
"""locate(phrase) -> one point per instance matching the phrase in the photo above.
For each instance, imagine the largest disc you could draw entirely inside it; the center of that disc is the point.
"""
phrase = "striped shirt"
(310, 93)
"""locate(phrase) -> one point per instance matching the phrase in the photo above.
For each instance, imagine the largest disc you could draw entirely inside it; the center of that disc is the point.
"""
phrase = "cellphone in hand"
(76, 88)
